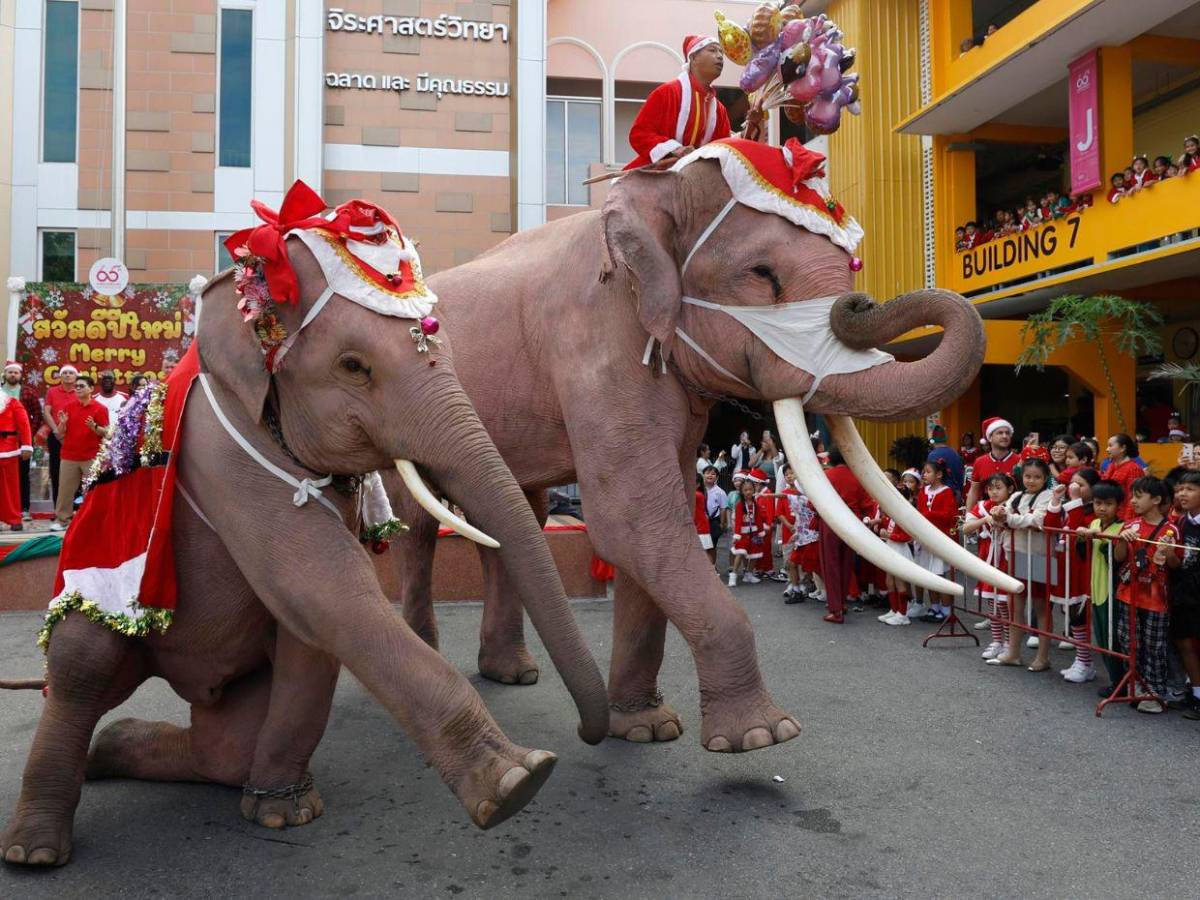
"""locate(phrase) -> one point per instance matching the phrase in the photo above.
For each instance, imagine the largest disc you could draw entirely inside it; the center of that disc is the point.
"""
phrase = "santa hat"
(694, 43)
(758, 476)
(1177, 433)
(990, 425)
(788, 181)
(68, 368)
(937, 434)
(913, 472)
(740, 475)
(13, 364)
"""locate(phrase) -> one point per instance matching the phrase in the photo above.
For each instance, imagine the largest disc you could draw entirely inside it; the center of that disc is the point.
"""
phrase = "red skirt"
(751, 546)
(808, 557)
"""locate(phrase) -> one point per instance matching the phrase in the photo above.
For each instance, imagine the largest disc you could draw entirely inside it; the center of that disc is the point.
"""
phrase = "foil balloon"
(848, 59)
(831, 72)
(764, 25)
(823, 115)
(805, 88)
(760, 69)
(795, 114)
(791, 35)
(734, 40)
(790, 13)
(794, 62)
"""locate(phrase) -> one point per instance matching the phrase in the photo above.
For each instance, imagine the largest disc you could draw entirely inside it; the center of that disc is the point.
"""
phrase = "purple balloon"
(760, 68)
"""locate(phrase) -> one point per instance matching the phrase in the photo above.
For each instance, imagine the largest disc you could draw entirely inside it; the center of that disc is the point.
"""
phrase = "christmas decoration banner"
(131, 333)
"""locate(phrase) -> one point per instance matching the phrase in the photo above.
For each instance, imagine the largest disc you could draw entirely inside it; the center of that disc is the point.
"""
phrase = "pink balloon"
(807, 88)
(792, 34)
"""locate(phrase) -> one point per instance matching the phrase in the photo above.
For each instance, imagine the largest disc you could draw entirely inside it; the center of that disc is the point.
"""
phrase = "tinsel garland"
(256, 304)
(153, 427)
(138, 422)
(383, 530)
(147, 619)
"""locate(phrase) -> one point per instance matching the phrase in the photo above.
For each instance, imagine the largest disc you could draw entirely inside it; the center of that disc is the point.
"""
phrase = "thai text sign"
(131, 333)
(1044, 247)
(1084, 113)
(444, 26)
(425, 84)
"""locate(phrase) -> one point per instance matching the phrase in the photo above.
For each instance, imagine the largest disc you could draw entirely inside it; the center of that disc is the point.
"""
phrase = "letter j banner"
(1084, 112)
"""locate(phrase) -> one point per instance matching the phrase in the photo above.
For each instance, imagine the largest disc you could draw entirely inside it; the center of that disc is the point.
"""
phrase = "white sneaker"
(751, 579)
(1080, 674)
(732, 579)
(993, 650)
(57, 526)
(1065, 645)
(819, 597)
(887, 617)
(1153, 707)
(1033, 641)
(983, 624)
(900, 619)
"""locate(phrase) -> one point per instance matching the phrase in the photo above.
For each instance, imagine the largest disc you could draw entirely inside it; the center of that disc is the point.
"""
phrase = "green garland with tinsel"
(383, 530)
(153, 426)
(148, 619)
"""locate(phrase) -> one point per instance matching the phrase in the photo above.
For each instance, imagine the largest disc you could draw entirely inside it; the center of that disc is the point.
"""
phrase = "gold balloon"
(789, 13)
(734, 40)
(764, 25)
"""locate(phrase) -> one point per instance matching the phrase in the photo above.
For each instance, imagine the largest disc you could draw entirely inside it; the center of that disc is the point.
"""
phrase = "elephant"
(551, 332)
(276, 594)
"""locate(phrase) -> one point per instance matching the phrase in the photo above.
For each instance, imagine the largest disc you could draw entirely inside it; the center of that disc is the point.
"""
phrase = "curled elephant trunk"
(901, 390)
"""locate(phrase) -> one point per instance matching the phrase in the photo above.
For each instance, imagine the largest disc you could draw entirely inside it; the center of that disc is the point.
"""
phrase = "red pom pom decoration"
(856, 264)
(380, 547)
(430, 325)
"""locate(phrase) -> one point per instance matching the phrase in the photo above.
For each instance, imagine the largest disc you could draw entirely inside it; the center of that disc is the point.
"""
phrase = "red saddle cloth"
(117, 564)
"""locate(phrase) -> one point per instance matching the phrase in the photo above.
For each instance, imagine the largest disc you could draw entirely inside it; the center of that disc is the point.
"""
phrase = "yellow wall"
(874, 173)
(878, 436)
(7, 14)
(1160, 132)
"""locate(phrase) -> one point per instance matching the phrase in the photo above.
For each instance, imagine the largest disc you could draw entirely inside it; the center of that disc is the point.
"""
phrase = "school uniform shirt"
(1151, 579)
(1116, 194)
(1185, 581)
(680, 113)
(1101, 584)
(937, 504)
(714, 501)
(987, 465)
(800, 523)
(1147, 177)
(80, 443)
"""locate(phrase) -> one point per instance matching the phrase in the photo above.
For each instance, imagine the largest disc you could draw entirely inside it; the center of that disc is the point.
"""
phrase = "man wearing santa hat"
(16, 445)
(998, 434)
(684, 113)
(11, 386)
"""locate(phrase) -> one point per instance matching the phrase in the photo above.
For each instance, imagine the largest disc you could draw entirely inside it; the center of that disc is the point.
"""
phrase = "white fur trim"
(1072, 504)
(701, 44)
(711, 124)
(999, 423)
(663, 149)
(113, 590)
(685, 105)
(747, 191)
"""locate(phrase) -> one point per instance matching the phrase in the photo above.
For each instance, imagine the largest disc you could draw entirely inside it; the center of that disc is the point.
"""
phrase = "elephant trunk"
(904, 390)
(477, 479)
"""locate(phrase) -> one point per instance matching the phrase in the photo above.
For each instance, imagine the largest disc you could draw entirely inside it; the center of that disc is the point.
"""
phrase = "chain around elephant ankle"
(633, 706)
(292, 792)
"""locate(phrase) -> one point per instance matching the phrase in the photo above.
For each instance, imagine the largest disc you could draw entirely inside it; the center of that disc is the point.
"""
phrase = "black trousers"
(25, 484)
(54, 446)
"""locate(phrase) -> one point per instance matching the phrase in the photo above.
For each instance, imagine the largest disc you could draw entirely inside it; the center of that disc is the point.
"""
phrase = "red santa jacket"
(679, 113)
(15, 434)
(938, 506)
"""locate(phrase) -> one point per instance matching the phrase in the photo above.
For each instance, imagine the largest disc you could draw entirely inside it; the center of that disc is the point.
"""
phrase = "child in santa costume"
(1071, 509)
(800, 543)
(935, 501)
(16, 444)
(979, 521)
(750, 528)
(685, 113)
(700, 518)
(897, 591)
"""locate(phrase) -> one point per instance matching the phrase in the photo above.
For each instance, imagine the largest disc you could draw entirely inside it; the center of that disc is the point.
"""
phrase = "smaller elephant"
(275, 592)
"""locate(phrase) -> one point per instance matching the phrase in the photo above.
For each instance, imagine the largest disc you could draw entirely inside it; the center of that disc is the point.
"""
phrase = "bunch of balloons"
(794, 63)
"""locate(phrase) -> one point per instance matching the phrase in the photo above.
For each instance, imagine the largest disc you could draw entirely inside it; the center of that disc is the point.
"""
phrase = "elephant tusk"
(424, 496)
(789, 416)
(859, 459)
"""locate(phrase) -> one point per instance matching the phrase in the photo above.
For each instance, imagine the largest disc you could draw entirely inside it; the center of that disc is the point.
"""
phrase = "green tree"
(1131, 325)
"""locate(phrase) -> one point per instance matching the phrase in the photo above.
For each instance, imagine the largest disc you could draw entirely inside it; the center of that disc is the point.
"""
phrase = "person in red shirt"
(837, 560)
(80, 427)
(750, 529)
(935, 501)
(682, 114)
(1001, 458)
(16, 444)
(1124, 469)
(1143, 584)
(58, 398)
(969, 451)
(897, 590)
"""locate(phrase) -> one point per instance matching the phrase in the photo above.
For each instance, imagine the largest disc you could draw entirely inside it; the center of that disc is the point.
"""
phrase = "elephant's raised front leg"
(503, 656)
(637, 712)
(90, 669)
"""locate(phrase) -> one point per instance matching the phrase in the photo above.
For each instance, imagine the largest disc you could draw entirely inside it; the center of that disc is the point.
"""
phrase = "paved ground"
(919, 773)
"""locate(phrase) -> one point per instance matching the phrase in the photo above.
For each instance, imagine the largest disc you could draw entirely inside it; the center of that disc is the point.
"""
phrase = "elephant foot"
(291, 806)
(501, 787)
(508, 665)
(32, 840)
(735, 725)
(652, 723)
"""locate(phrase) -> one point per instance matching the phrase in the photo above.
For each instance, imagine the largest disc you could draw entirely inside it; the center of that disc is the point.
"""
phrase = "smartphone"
(1031, 439)
(1187, 453)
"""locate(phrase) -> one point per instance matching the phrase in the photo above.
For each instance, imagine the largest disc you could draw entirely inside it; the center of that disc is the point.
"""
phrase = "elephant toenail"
(43, 857)
(720, 745)
(667, 731)
(639, 734)
(529, 677)
(511, 779)
(271, 820)
(484, 812)
(535, 759)
(756, 739)
(785, 730)
(15, 854)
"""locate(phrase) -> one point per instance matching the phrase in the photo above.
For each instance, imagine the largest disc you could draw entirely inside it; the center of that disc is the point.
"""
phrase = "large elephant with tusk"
(592, 347)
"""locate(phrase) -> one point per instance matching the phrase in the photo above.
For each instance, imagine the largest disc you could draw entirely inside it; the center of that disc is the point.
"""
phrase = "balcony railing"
(1098, 235)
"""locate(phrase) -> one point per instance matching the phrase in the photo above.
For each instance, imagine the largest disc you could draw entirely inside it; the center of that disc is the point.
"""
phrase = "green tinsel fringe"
(383, 530)
(151, 619)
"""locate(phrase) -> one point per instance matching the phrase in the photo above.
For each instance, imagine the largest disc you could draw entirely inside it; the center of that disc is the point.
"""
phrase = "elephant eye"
(354, 365)
(768, 273)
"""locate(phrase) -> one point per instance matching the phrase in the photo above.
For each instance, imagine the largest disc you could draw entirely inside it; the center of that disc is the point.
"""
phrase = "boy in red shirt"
(80, 427)
(1143, 583)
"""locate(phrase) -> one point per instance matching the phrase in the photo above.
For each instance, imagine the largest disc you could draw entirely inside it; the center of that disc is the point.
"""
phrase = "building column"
(951, 21)
(954, 180)
(1116, 109)
(308, 157)
(530, 117)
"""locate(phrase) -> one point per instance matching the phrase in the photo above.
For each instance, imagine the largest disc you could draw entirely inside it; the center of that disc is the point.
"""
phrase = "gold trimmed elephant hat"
(787, 181)
(363, 255)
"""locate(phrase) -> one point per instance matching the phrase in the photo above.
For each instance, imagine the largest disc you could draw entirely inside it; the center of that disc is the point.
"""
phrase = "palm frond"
(1188, 373)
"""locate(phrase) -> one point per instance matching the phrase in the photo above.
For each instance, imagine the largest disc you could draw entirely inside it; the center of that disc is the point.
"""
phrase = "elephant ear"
(639, 221)
(228, 348)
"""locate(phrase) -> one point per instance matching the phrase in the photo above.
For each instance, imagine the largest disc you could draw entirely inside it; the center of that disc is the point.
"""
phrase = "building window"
(60, 76)
(236, 86)
(224, 260)
(58, 256)
(572, 146)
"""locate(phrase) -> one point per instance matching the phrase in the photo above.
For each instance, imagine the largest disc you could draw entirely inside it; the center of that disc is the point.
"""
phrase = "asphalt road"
(919, 773)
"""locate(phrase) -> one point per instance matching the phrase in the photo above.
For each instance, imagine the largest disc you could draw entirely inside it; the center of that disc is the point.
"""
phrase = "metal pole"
(118, 132)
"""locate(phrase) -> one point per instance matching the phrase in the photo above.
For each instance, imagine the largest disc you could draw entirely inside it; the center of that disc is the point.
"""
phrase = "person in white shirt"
(705, 460)
(108, 396)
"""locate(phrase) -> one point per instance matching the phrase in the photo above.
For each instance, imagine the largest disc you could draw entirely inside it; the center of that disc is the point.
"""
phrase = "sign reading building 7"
(1048, 245)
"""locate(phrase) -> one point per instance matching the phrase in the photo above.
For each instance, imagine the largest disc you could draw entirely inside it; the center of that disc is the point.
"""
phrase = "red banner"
(1084, 115)
(133, 333)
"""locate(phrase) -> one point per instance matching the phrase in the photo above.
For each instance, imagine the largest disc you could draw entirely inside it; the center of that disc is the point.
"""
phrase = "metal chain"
(292, 792)
(346, 485)
(634, 706)
(712, 395)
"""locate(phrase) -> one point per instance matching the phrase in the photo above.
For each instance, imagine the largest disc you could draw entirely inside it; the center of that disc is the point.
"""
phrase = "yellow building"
(962, 122)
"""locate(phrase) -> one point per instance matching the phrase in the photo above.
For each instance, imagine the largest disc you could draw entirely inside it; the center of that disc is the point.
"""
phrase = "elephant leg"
(503, 656)
(412, 554)
(302, 685)
(639, 632)
(90, 670)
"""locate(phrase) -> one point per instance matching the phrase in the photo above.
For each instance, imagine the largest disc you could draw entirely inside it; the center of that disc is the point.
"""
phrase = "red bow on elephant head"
(805, 163)
(302, 208)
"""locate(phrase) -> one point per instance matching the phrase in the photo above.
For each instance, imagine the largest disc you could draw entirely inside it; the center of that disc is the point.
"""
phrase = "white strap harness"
(306, 488)
(309, 316)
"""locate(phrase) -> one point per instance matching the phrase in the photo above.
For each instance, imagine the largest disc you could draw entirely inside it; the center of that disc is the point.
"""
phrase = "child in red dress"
(979, 521)
(801, 545)
(935, 501)
(749, 534)
(903, 544)
(1117, 191)
(1142, 176)
(1074, 583)
(1190, 160)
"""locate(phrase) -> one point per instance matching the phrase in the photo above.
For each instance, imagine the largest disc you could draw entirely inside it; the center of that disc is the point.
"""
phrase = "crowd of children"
(1141, 174)
(1090, 540)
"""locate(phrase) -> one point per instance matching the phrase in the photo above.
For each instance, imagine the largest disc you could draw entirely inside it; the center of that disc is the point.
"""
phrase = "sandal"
(1044, 667)
(1002, 661)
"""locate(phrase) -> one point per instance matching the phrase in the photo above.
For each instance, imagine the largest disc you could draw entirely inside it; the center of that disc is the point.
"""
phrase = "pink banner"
(1084, 111)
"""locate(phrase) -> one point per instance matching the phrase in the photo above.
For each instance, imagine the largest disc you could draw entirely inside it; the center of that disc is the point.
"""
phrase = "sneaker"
(1033, 641)
(26, 516)
(1191, 709)
(993, 650)
(983, 624)
(1065, 645)
(887, 617)
(934, 616)
(57, 526)
(1150, 707)
(916, 610)
(900, 619)
(1080, 674)
(781, 577)
(788, 591)
(795, 598)
(751, 579)
(732, 576)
